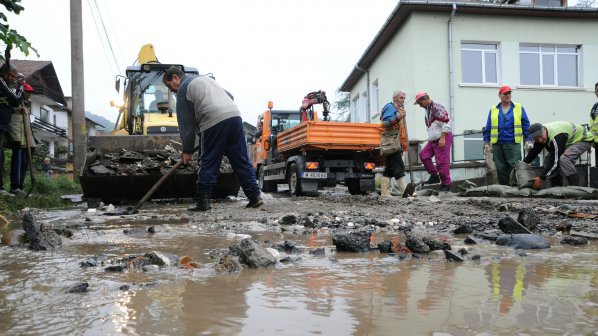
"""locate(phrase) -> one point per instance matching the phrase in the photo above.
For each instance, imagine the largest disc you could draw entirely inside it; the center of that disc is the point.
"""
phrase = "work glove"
(537, 183)
(487, 148)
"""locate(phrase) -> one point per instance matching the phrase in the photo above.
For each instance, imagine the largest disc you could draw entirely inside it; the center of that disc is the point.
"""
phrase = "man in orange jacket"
(391, 117)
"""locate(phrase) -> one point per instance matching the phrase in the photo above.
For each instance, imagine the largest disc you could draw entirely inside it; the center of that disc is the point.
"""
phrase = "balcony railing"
(46, 126)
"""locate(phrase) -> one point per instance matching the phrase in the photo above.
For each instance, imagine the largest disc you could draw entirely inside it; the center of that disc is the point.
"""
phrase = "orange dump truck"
(312, 154)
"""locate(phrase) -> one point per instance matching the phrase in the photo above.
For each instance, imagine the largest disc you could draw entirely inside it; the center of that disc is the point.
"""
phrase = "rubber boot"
(573, 180)
(385, 187)
(401, 184)
(433, 179)
(203, 202)
(255, 202)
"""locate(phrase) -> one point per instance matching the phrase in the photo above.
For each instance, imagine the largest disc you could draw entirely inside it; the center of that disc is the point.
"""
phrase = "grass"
(45, 195)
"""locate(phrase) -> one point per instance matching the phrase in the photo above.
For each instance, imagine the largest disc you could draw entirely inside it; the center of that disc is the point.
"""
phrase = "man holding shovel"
(22, 142)
(391, 118)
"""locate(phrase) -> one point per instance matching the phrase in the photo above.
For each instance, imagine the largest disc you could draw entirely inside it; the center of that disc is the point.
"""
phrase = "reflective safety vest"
(575, 133)
(594, 127)
(517, 111)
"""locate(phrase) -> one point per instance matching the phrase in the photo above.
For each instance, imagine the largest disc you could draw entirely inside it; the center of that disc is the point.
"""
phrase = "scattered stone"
(416, 244)
(289, 259)
(436, 244)
(320, 251)
(289, 220)
(528, 218)
(274, 253)
(503, 208)
(470, 240)
(151, 229)
(570, 240)
(14, 238)
(462, 251)
(64, 232)
(352, 242)
(90, 262)
(450, 256)
(40, 236)
(491, 234)
(124, 287)
(115, 268)
(228, 264)
(150, 268)
(253, 255)
(523, 241)
(475, 257)
(385, 246)
(520, 253)
(463, 228)
(565, 207)
(564, 227)
(509, 225)
(80, 288)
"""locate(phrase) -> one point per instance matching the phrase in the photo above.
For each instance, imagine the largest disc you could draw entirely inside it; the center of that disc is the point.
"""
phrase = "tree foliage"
(10, 36)
(342, 106)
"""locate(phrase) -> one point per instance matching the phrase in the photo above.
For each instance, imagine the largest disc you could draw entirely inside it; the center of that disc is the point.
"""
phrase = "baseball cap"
(419, 96)
(535, 130)
(504, 89)
(27, 88)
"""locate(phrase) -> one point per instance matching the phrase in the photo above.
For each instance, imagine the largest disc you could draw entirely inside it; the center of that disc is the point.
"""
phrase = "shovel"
(410, 187)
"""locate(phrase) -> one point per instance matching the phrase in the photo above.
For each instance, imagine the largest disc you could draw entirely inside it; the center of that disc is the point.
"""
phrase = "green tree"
(10, 36)
(342, 106)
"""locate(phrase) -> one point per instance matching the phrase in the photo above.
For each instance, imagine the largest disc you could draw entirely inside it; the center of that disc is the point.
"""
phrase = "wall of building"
(417, 60)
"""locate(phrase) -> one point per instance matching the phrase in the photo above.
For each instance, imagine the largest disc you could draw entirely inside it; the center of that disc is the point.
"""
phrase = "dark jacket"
(8, 101)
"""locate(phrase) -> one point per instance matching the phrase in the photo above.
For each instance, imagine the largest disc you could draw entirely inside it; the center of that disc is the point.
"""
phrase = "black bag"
(390, 142)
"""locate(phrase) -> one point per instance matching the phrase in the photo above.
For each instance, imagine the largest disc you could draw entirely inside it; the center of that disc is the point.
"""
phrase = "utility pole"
(77, 79)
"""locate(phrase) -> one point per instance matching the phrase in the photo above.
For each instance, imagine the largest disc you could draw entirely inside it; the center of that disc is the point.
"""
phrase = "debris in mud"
(116, 268)
(523, 241)
(416, 244)
(40, 236)
(463, 228)
(352, 242)
(88, 263)
(385, 246)
(320, 251)
(570, 240)
(64, 232)
(139, 231)
(450, 256)
(80, 288)
(528, 218)
(470, 240)
(228, 264)
(509, 225)
(253, 255)
(129, 163)
(436, 244)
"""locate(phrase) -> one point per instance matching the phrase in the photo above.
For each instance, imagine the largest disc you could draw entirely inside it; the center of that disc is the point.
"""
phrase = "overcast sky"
(259, 50)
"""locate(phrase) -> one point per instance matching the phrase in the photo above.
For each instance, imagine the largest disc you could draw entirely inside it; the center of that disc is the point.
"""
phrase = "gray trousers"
(569, 157)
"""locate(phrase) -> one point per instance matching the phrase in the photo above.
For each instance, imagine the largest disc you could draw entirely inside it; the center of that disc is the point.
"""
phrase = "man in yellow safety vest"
(565, 143)
(505, 131)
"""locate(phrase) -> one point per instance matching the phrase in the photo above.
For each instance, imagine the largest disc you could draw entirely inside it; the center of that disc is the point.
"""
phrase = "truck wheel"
(354, 188)
(294, 184)
(265, 186)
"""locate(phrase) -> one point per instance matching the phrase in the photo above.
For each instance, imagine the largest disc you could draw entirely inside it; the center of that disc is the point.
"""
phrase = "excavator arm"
(311, 99)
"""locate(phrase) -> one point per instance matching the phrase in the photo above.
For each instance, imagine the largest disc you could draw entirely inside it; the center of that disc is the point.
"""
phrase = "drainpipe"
(451, 75)
(367, 85)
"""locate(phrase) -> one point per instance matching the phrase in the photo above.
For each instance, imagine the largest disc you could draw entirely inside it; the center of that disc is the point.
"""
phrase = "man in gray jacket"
(205, 109)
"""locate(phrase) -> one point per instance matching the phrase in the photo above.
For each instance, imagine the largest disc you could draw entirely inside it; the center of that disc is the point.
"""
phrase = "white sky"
(259, 50)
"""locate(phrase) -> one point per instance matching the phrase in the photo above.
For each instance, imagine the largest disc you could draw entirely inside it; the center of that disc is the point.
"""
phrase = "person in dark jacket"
(205, 109)
(565, 143)
(9, 99)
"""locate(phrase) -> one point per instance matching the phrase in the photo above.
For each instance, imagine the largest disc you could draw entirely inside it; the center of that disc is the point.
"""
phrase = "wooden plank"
(583, 234)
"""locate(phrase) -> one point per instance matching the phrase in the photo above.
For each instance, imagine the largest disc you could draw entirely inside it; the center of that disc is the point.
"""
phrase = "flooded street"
(501, 291)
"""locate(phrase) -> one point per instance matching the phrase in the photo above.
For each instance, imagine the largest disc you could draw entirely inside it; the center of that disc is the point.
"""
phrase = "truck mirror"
(117, 85)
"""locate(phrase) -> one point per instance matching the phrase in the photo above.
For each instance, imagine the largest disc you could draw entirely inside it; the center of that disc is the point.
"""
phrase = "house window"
(44, 115)
(363, 110)
(479, 63)
(543, 65)
(375, 104)
(355, 109)
(473, 145)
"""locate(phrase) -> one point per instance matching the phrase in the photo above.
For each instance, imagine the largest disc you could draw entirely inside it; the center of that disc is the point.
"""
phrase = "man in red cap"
(19, 128)
(9, 99)
(440, 138)
(506, 130)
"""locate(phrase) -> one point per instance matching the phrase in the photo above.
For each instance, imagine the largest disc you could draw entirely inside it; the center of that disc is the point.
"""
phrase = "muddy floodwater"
(501, 291)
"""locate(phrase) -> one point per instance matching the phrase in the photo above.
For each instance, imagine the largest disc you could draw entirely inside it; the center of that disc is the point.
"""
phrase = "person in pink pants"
(440, 139)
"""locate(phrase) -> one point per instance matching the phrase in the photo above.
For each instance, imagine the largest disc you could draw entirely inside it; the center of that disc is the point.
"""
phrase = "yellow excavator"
(146, 123)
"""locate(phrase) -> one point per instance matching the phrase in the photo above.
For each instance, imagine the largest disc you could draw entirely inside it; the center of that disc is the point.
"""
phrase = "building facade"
(462, 53)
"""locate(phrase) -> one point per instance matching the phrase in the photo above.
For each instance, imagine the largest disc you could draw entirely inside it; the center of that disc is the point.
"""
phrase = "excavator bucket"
(121, 169)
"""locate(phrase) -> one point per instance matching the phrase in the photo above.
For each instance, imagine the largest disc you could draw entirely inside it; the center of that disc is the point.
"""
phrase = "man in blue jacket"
(9, 99)
(205, 109)
(506, 130)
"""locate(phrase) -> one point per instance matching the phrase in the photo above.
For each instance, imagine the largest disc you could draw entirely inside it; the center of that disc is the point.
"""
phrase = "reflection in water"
(547, 292)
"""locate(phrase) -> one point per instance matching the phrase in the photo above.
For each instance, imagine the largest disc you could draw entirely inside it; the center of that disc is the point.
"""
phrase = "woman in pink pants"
(440, 139)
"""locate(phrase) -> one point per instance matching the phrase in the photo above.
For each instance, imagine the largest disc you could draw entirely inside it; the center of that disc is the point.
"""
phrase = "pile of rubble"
(127, 163)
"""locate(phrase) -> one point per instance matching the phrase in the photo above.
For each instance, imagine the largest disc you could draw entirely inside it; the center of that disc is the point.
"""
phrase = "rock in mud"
(464, 228)
(289, 220)
(40, 236)
(228, 264)
(14, 238)
(385, 246)
(115, 268)
(416, 244)
(570, 240)
(528, 218)
(470, 240)
(436, 244)
(80, 288)
(509, 225)
(523, 241)
(90, 262)
(352, 242)
(287, 246)
(491, 234)
(450, 256)
(64, 232)
(253, 255)
(320, 251)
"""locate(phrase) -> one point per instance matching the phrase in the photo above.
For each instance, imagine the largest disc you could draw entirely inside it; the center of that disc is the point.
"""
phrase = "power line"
(106, 32)
(101, 40)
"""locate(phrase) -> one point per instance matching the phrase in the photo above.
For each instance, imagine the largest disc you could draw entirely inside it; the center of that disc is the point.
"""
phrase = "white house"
(462, 52)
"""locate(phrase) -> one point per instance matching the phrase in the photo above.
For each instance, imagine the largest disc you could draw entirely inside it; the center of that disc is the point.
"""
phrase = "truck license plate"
(316, 175)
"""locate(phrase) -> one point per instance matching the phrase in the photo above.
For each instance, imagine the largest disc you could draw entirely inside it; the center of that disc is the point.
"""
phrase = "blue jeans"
(225, 138)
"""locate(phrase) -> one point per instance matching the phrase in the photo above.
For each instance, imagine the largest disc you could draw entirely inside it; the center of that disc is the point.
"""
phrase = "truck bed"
(329, 135)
